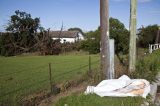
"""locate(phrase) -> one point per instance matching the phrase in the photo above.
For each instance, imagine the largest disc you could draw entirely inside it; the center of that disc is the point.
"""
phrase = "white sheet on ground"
(122, 87)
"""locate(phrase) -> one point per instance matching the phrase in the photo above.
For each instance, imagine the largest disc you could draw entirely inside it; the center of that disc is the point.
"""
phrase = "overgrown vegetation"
(148, 67)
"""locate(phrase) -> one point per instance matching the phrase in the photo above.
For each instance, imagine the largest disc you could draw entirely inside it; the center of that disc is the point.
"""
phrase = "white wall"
(70, 40)
(81, 36)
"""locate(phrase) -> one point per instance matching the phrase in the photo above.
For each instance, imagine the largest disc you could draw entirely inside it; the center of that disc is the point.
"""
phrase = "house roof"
(63, 34)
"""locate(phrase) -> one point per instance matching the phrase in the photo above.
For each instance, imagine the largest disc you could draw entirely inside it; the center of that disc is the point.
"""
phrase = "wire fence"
(14, 85)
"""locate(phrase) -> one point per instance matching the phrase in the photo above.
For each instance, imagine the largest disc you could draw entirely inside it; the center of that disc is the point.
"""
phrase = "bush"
(92, 42)
(91, 46)
(146, 69)
(68, 47)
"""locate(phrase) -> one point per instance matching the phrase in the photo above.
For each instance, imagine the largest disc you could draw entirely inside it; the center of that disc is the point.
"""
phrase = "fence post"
(89, 63)
(50, 76)
(149, 48)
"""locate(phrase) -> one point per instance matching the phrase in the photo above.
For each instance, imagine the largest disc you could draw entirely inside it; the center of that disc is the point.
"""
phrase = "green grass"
(23, 75)
(94, 100)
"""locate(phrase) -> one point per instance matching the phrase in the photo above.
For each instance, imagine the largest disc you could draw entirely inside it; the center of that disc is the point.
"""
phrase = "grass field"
(23, 75)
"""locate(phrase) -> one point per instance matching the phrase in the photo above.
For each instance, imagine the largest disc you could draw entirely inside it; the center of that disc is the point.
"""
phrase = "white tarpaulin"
(122, 87)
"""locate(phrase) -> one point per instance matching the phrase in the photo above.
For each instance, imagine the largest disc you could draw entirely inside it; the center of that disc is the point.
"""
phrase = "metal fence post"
(89, 63)
(50, 76)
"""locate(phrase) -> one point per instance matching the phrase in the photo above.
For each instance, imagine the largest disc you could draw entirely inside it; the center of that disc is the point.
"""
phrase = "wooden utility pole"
(132, 45)
(104, 27)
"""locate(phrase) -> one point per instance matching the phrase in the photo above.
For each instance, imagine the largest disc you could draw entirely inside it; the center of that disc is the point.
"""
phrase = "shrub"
(146, 69)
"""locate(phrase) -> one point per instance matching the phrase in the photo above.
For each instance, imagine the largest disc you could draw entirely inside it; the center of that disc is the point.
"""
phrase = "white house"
(67, 36)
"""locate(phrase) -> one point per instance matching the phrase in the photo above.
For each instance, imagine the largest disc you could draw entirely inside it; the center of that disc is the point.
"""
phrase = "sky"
(79, 13)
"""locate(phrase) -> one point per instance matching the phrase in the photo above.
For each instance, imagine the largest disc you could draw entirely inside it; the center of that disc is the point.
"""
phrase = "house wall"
(80, 36)
(70, 40)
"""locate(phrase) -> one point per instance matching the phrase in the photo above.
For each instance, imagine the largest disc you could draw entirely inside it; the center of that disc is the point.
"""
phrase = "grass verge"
(94, 100)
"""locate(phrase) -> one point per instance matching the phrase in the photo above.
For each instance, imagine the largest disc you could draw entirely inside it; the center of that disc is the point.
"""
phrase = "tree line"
(24, 34)
(145, 36)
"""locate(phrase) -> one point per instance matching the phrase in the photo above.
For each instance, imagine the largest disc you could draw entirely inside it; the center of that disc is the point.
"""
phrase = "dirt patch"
(34, 99)
(51, 101)
(120, 69)
(157, 100)
(46, 98)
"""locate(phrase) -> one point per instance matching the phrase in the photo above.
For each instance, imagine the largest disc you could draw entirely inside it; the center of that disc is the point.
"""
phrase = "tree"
(22, 36)
(22, 21)
(23, 28)
(118, 32)
(92, 42)
(147, 35)
(77, 29)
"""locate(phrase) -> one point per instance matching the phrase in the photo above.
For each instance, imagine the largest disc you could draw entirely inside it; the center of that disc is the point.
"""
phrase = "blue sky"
(79, 13)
